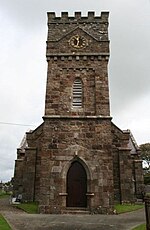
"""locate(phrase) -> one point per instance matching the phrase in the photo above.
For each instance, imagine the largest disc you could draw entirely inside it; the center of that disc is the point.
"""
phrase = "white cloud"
(23, 32)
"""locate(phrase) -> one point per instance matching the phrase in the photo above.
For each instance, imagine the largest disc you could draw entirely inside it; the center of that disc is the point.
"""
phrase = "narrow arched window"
(77, 94)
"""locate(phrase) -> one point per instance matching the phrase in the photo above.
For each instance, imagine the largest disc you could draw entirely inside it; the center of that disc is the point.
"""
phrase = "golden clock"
(78, 41)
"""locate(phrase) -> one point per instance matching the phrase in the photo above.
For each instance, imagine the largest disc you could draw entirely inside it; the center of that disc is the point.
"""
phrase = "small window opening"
(77, 94)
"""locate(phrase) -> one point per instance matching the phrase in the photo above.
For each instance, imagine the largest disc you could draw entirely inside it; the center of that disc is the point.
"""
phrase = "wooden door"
(76, 186)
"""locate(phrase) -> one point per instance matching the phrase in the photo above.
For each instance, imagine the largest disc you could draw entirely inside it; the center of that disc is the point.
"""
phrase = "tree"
(145, 152)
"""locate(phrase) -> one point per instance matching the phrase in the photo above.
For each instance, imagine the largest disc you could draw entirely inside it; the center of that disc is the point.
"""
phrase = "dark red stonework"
(81, 135)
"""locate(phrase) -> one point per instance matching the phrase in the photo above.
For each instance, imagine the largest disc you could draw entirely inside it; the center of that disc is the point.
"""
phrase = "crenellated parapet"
(95, 26)
(52, 18)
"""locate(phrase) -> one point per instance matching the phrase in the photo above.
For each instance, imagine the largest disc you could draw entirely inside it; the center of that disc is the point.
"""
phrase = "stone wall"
(66, 140)
(127, 167)
(18, 175)
(138, 177)
(66, 63)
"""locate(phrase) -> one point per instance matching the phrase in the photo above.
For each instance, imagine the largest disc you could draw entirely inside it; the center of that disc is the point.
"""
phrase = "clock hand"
(77, 39)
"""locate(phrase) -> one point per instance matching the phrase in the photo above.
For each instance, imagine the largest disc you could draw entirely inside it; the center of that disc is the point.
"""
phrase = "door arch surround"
(76, 185)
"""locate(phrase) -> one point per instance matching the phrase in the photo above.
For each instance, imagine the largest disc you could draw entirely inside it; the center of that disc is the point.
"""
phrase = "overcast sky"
(23, 67)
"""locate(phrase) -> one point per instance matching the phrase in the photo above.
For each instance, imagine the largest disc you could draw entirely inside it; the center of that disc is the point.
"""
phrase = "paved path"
(20, 220)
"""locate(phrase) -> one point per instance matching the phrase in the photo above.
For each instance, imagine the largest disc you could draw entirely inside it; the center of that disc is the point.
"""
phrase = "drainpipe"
(119, 177)
(35, 175)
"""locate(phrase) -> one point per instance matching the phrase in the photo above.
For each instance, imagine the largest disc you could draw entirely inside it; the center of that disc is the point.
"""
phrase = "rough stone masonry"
(77, 159)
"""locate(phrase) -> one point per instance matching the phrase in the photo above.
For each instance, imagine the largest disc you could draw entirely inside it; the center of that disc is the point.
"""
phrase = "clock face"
(78, 41)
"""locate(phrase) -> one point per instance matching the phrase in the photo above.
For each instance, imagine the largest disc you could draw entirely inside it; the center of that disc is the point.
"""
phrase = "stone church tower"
(77, 158)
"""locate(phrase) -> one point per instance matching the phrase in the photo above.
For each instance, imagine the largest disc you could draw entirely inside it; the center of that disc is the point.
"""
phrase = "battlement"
(78, 18)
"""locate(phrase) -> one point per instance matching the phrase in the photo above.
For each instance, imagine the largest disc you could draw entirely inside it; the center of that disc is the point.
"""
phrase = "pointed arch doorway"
(76, 185)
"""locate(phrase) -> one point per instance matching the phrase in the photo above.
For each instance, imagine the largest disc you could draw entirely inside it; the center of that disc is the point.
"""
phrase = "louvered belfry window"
(77, 94)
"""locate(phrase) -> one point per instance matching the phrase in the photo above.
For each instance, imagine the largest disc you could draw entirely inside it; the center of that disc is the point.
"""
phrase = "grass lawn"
(122, 208)
(3, 224)
(31, 208)
(140, 227)
(4, 194)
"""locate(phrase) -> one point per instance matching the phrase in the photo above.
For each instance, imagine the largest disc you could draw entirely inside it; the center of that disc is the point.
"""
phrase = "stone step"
(78, 211)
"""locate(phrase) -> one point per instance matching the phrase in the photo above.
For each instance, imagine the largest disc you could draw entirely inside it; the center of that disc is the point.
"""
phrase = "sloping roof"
(132, 143)
(24, 143)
